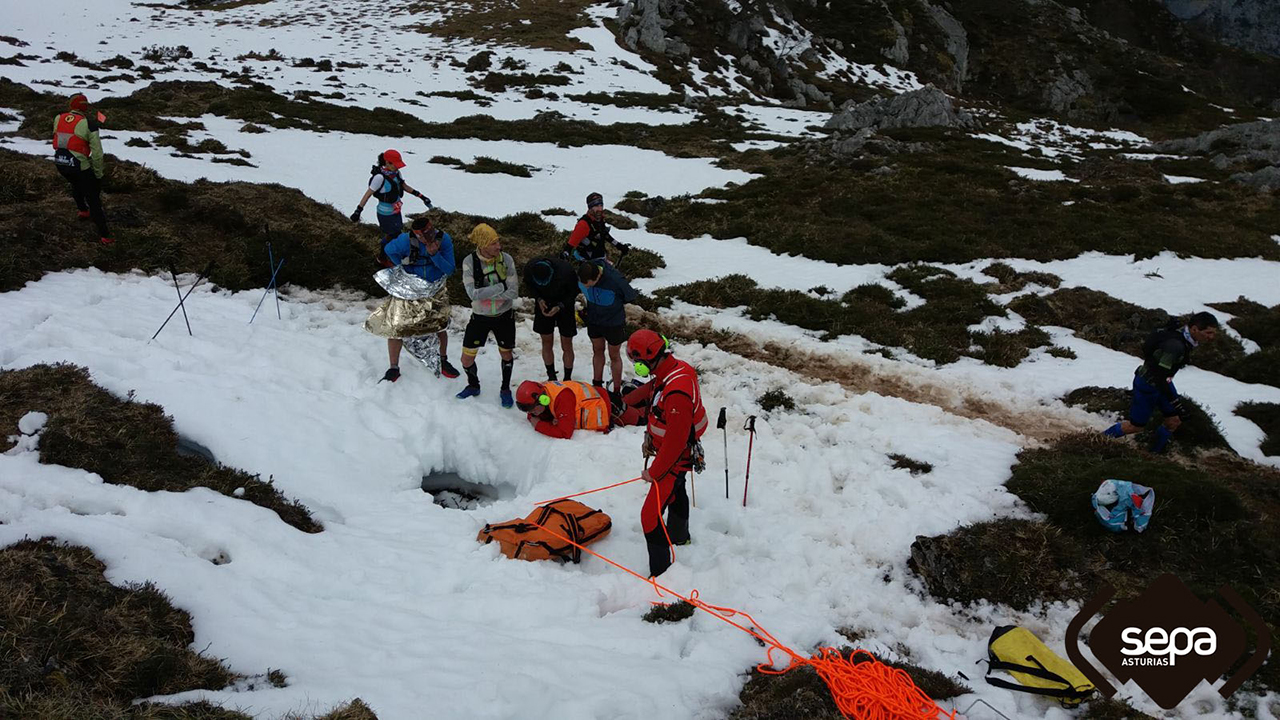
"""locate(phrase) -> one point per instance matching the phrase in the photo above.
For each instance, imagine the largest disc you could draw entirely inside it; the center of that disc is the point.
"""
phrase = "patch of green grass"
(624, 98)
(1267, 417)
(1254, 321)
(957, 204)
(621, 222)
(1119, 325)
(1011, 280)
(1061, 352)
(937, 330)
(496, 82)
(73, 639)
(669, 612)
(776, 399)
(492, 21)
(123, 441)
(1112, 709)
(1213, 525)
(488, 165)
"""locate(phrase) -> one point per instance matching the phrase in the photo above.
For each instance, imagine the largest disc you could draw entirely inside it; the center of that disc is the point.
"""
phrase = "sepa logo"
(1158, 646)
(1166, 640)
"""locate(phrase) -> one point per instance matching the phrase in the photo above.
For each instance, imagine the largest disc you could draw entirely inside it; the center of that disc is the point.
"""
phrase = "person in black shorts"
(607, 294)
(491, 281)
(554, 286)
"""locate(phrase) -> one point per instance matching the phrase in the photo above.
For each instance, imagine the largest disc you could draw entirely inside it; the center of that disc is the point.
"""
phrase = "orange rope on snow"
(588, 492)
(865, 690)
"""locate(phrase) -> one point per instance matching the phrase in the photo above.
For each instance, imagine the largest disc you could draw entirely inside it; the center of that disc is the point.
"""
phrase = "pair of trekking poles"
(722, 423)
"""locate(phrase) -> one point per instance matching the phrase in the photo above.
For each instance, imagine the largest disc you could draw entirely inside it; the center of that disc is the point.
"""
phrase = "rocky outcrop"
(1249, 24)
(1250, 144)
(646, 23)
(656, 26)
(926, 107)
(957, 41)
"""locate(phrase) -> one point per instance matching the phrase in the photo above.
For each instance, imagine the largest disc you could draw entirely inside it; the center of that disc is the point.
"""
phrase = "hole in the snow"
(191, 448)
(451, 490)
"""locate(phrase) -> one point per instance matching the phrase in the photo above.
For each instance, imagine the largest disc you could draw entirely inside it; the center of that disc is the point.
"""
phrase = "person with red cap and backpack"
(77, 153)
(389, 187)
(676, 422)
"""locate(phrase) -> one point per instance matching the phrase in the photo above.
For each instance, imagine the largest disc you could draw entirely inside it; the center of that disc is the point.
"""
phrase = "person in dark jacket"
(428, 253)
(587, 241)
(554, 286)
(1165, 352)
(607, 294)
(77, 153)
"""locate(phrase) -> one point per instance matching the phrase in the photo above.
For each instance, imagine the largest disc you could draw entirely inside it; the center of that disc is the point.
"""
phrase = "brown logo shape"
(1166, 640)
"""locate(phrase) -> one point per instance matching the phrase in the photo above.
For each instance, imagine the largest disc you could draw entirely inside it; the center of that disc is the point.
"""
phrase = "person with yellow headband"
(491, 281)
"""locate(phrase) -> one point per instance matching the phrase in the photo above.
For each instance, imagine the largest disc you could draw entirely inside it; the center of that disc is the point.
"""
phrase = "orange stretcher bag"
(525, 539)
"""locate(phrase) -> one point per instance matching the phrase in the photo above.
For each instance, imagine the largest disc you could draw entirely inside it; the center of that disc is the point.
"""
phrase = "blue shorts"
(1146, 398)
(390, 225)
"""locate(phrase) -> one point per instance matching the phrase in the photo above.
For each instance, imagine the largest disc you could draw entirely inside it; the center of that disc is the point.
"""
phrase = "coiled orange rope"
(861, 686)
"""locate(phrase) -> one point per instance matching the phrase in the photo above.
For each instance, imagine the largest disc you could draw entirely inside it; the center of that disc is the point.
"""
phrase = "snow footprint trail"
(395, 602)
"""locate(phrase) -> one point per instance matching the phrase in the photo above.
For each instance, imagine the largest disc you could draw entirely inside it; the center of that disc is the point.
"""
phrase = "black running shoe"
(448, 370)
(392, 374)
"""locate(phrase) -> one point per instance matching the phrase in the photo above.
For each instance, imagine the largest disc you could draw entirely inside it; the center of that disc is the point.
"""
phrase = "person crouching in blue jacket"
(428, 253)
(607, 294)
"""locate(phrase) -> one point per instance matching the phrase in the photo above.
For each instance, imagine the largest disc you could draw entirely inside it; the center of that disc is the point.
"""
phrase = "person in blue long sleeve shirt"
(428, 253)
(607, 294)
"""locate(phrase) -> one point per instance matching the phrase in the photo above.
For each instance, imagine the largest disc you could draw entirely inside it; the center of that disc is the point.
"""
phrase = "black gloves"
(355, 216)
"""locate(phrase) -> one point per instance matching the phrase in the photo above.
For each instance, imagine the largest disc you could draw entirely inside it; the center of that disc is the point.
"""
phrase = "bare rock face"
(926, 107)
(1249, 24)
(957, 45)
(1251, 144)
(646, 23)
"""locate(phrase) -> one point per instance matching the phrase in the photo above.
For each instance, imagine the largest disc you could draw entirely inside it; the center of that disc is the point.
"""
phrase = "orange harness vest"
(593, 408)
(683, 380)
(64, 134)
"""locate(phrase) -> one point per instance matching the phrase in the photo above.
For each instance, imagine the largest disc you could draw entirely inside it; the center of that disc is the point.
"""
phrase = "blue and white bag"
(1122, 505)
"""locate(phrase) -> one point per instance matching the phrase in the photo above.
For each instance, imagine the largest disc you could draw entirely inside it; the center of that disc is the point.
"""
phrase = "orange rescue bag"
(524, 539)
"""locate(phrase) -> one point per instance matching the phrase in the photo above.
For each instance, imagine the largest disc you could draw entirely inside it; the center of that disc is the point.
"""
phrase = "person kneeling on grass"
(426, 252)
(490, 278)
(607, 294)
(1166, 351)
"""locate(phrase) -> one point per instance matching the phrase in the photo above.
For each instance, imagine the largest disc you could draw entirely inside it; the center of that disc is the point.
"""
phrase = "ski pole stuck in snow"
(750, 427)
(271, 263)
(182, 299)
(264, 292)
(721, 424)
(178, 290)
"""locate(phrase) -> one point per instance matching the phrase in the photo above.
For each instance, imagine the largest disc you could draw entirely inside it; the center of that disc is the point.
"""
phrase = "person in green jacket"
(77, 152)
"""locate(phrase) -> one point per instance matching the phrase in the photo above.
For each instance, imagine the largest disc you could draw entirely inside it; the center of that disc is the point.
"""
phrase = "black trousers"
(677, 522)
(86, 190)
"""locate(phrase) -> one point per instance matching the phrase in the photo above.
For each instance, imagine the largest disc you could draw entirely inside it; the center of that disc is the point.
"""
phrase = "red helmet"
(529, 395)
(79, 102)
(393, 157)
(645, 346)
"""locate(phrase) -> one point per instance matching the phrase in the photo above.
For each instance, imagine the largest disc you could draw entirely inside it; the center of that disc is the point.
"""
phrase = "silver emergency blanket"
(415, 312)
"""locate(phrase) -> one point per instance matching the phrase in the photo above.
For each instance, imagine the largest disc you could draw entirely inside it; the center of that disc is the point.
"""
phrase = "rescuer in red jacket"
(676, 421)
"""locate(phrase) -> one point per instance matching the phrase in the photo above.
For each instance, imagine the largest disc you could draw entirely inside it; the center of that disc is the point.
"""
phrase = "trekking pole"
(178, 290)
(183, 298)
(720, 423)
(264, 292)
(693, 486)
(751, 428)
(271, 262)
